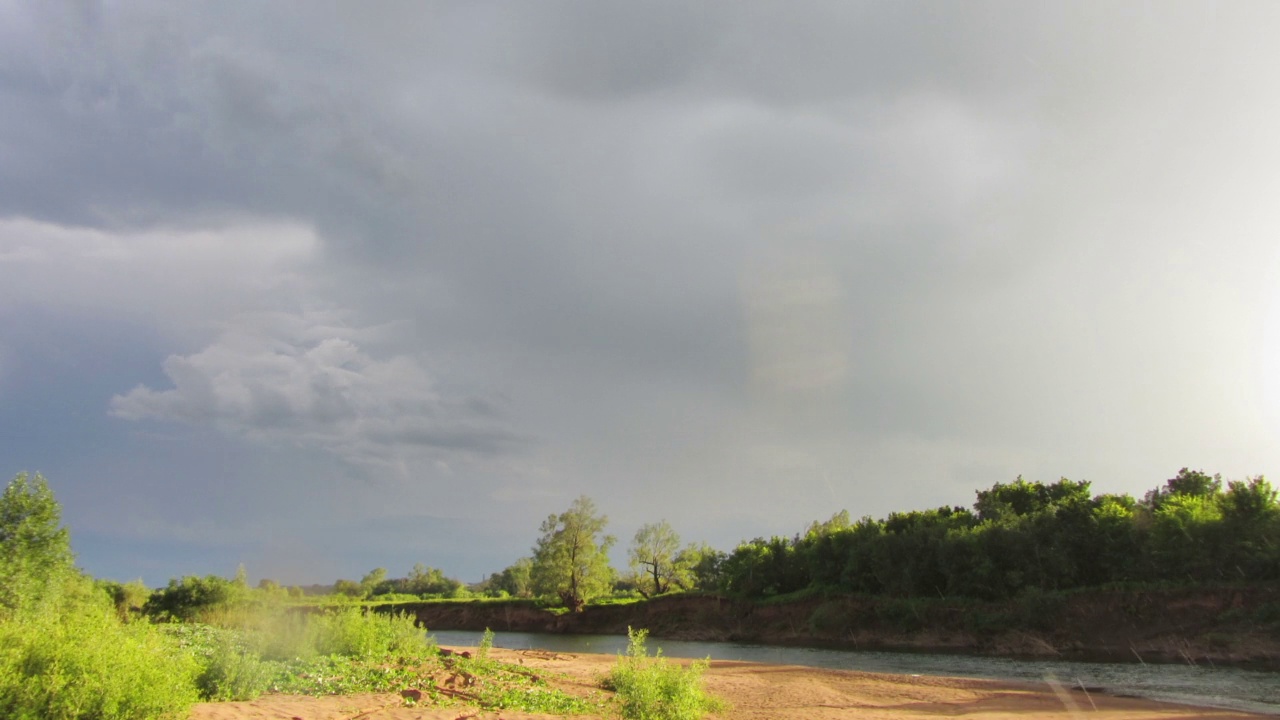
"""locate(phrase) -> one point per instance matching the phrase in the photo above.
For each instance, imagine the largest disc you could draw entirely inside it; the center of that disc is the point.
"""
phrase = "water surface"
(1202, 685)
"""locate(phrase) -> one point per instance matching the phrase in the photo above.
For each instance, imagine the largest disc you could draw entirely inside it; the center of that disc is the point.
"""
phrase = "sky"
(323, 287)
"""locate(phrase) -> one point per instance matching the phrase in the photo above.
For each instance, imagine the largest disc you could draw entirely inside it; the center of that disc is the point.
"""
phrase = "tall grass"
(653, 688)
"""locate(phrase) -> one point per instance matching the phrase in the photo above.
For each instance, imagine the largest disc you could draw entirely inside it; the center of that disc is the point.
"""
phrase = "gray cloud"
(302, 380)
(774, 253)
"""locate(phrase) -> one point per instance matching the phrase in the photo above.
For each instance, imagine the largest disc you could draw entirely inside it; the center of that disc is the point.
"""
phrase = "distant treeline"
(1024, 535)
(1019, 536)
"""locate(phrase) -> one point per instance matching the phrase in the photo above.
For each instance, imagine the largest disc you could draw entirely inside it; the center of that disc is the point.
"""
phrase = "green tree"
(703, 562)
(424, 580)
(193, 596)
(35, 550)
(571, 558)
(1251, 501)
(1188, 483)
(350, 588)
(656, 562)
(372, 582)
(515, 580)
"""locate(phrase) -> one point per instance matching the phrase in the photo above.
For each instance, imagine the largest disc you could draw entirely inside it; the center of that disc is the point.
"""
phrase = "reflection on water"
(1194, 685)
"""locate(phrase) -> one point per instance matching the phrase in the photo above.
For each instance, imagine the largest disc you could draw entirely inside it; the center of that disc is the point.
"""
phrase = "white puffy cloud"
(303, 380)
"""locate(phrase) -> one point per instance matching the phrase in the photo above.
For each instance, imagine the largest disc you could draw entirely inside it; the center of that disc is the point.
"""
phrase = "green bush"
(194, 598)
(651, 688)
(355, 632)
(83, 663)
(229, 669)
(129, 598)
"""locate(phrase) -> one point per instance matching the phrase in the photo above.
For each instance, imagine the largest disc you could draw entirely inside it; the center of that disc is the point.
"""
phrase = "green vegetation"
(35, 550)
(653, 688)
(1026, 537)
(571, 559)
(64, 651)
(75, 649)
(72, 647)
(514, 581)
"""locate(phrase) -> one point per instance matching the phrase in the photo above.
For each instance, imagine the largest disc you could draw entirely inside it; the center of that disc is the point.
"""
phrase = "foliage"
(229, 670)
(371, 582)
(128, 598)
(703, 563)
(652, 688)
(1025, 537)
(374, 653)
(192, 598)
(571, 558)
(355, 632)
(64, 652)
(82, 662)
(349, 588)
(655, 560)
(343, 675)
(515, 580)
(35, 551)
(421, 582)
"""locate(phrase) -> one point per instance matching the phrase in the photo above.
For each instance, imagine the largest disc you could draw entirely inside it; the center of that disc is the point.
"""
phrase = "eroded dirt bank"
(1226, 626)
(754, 692)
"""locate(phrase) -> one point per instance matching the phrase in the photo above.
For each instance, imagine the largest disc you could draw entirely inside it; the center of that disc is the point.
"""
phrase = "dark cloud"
(493, 256)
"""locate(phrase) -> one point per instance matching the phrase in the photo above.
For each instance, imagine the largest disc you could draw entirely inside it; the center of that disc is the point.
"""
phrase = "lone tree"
(35, 551)
(656, 561)
(571, 559)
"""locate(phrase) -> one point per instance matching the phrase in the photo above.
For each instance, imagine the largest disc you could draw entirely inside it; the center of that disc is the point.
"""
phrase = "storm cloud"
(274, 275)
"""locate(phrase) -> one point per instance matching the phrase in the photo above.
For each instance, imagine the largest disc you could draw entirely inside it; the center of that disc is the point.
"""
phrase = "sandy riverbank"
(754, 692)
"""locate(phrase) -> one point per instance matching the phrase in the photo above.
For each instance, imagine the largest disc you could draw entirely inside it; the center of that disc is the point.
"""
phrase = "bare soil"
(753, 691)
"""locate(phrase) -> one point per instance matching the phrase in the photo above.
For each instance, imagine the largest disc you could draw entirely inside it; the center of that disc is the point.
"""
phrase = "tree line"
(1018, 536)
(1023, 535)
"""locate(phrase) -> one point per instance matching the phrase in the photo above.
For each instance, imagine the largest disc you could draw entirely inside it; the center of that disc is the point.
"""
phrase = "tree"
(654, 554)
(350, 588)
(571, 559)
(193, 596)
(35, 550)
(703, 566)
(1250, 501)
(1189, 483)
(424, 580)
(515, 580)
(371, 582)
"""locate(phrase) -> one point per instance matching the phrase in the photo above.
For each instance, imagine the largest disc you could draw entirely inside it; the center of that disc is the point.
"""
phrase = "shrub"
(651, 688)
(83, 663)
(194, 598)
(129, 598)
(229, 669)
(355, 632)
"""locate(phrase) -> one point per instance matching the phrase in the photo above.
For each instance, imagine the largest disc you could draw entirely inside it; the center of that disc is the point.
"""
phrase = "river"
(1201, 685)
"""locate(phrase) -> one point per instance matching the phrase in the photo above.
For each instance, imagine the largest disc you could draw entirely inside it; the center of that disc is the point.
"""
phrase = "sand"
(753, 691)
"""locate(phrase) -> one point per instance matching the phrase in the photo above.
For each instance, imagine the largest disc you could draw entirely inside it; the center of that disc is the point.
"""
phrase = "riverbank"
(755, 692)
(1226, 626)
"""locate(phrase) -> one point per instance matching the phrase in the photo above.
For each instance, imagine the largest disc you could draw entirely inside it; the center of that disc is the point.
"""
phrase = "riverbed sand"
(753, 691)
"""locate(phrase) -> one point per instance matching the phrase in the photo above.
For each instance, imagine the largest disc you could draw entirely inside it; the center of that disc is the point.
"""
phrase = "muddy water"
(1201, 685)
